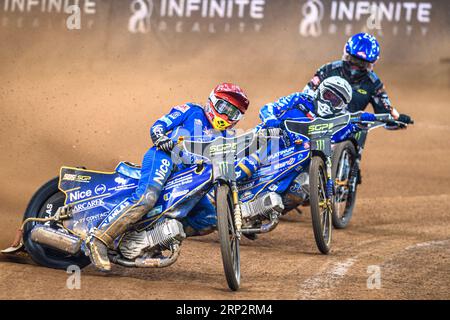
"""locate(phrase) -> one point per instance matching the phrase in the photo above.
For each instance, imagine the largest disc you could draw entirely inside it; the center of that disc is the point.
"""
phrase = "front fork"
(237, 209)
(329, 191)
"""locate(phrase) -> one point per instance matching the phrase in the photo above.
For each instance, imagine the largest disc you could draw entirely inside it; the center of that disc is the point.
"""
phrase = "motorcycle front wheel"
(229, 242)
(320, 209)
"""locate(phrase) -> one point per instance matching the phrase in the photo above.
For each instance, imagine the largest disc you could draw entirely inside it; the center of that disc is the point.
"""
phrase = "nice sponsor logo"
(48, 14)
(196, 16)
(397, 18)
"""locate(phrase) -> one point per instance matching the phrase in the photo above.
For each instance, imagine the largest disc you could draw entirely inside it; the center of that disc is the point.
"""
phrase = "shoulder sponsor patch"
(336, 64)
(315, 81)
(175, 115)
(183, 108)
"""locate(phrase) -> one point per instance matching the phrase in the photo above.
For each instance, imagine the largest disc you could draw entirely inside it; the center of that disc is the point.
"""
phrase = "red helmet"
(226, 105)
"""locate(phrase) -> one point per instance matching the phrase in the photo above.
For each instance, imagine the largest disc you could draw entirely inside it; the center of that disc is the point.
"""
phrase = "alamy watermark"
(374, 19)
(73, 282)
(374, 279)
(73, 21)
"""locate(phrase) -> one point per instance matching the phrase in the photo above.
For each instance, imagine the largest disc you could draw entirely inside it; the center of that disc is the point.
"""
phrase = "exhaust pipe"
(265, 228)
(56, 239)
(143, 262)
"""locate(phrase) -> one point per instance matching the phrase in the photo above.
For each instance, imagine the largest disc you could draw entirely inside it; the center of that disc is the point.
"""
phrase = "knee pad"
(150, 197)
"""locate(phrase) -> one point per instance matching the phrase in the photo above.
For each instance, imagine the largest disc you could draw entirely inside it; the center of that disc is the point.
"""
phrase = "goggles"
(358, 63)
(335, 101)
(226, 108)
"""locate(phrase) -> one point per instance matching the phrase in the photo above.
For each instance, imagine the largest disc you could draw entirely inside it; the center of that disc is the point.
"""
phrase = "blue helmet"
(363, 46)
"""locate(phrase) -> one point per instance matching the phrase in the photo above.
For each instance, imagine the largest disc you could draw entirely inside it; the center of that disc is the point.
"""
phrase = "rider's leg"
(156, 168)
(202, 220)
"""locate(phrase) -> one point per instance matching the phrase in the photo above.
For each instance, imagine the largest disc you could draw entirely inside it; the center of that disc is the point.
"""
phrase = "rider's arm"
(170, 121)
(381, 102)
(351, 128)
(247, 167)
(316, 80)
(271, 113)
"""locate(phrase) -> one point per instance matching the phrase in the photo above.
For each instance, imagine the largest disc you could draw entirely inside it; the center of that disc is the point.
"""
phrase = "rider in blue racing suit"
(226, 105)
(331, 99)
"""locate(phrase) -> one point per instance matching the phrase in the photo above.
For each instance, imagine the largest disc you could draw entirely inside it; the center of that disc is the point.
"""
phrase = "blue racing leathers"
(297, 106)
(188, 121)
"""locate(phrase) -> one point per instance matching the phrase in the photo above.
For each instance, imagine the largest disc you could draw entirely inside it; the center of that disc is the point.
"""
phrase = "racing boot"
(116, 224)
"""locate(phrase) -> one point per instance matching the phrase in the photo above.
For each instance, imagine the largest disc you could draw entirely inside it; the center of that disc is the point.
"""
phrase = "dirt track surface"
(61, 107)
(401, 224)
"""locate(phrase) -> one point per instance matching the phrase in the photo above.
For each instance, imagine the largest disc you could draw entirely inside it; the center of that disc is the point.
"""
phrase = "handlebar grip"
(384, 117)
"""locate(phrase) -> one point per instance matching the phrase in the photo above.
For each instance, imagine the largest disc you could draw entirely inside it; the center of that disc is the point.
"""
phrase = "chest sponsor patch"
(362, 91)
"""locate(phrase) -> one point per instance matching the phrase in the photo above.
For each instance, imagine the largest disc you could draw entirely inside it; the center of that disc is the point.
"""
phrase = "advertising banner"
(187, 24)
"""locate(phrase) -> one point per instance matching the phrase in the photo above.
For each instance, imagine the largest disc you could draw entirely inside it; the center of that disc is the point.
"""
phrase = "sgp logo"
(141, 13)
(222, 148)
(319, 128)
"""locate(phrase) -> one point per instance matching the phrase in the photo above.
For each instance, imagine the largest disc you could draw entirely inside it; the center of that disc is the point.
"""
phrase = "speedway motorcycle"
(345, 167)
(304, 174)
(63, 211)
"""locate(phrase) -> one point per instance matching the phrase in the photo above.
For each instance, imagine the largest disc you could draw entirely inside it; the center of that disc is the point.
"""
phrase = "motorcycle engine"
(263, 206)
(301, 186)
(160, 237)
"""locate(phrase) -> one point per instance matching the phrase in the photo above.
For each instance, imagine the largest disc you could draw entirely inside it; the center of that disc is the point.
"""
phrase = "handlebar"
(383, 118)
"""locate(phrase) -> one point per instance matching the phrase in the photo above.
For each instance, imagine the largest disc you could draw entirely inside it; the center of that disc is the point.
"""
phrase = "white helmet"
(333, 96)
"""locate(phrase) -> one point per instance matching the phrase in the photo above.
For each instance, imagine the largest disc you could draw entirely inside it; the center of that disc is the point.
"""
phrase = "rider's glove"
(271, 132)
(164, 143)
(365, 116)
(394, 125)
(404, 118)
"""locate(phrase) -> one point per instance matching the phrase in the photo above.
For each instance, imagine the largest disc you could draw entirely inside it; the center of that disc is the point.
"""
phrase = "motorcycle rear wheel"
(43, 204)
(344, 199)
(229, 242)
